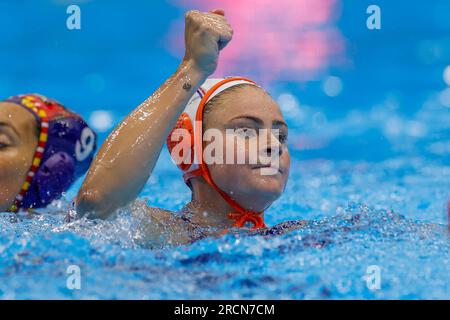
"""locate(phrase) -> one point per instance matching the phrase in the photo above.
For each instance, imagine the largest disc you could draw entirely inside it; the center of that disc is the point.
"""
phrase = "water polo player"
(44, 148)
(223, 195)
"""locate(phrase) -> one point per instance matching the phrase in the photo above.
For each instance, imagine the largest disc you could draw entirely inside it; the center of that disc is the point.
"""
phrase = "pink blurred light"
(273, 40)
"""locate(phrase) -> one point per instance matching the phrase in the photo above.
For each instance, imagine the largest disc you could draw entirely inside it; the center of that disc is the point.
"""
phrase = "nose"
(272, 145)
(271, 150)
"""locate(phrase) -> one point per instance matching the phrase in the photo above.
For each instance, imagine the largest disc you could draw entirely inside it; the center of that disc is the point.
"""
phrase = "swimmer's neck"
(208, 208)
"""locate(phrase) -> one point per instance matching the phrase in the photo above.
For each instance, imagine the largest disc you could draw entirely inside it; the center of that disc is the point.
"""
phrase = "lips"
(261, 166)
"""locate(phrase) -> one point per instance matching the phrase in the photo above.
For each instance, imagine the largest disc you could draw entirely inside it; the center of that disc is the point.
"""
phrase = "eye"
(283, 137)
(4, 141)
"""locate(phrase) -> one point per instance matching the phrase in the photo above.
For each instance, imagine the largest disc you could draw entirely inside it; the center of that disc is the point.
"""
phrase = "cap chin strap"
(241, 216)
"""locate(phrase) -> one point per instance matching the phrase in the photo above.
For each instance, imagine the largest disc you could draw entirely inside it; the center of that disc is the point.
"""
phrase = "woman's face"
(247, 112)
(18, 141)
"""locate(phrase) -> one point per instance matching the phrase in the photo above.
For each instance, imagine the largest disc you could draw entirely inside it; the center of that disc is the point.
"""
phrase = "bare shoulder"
(164, 227)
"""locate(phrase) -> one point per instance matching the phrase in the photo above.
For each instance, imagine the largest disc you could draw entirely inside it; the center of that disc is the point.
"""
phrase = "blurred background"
(369, 118)
(348, 92)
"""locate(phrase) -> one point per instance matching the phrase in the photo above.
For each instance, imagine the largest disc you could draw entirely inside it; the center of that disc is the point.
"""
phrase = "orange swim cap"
(193, 164)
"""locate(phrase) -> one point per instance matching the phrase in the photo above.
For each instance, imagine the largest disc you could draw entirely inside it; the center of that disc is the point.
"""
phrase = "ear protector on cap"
(192, 164)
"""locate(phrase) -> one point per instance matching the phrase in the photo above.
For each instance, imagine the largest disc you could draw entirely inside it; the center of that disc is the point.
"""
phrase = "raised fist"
(206, 33)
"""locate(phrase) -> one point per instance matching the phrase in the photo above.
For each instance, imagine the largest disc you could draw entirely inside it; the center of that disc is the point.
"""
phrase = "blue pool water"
(370, 170)
(388, 213)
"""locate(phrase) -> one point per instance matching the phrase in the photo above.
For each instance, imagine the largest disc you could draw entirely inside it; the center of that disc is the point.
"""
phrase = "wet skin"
(18, 141)
(249, 109)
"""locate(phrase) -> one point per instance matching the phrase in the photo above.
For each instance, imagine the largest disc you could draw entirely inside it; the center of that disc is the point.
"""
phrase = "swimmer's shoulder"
(159, 214)
(170, 223)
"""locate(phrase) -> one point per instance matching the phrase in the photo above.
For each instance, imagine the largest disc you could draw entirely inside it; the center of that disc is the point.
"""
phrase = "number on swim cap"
(85, 145)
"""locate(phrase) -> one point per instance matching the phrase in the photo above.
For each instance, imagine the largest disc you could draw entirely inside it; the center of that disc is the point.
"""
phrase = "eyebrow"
(280, 123)
(251, 118)
(6, 124)
(259, 121)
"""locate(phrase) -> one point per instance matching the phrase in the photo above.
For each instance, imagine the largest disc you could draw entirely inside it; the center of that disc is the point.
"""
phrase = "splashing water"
(328, 258)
